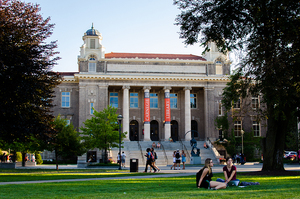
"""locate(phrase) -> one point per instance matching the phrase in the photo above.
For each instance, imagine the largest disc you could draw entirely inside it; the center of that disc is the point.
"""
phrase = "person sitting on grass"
(203, 177)
(229, 173)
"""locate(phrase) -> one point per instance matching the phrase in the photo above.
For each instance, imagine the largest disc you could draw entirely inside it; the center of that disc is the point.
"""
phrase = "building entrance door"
(174, 130)
(154, 133)
(134, 131)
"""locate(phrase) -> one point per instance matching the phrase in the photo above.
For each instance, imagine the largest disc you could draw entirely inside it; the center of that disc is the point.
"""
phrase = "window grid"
(92, 43)
(255, 102)
(173, 100)
(113, 99)
(193, 100)
(65, 99)
(237, 128)
(256, 128)
(134, 100)
(237, 104)
(153, 100)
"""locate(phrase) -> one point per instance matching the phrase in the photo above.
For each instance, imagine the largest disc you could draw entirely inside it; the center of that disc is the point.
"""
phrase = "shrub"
(38, 158)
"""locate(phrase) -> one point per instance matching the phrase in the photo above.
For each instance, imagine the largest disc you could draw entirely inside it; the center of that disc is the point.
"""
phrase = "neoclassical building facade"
(158, 95)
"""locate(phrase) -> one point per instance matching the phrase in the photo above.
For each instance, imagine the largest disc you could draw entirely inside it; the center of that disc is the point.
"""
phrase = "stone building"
(159, 95)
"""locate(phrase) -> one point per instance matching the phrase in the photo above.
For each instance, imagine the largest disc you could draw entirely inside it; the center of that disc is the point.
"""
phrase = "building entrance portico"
(154, 130)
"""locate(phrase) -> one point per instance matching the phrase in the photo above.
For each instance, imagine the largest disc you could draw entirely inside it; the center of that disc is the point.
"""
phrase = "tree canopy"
(268, 34)
(26, 79)
(101, 131)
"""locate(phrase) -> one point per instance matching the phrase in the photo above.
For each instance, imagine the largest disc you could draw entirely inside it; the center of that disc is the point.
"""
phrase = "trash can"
(134, 165)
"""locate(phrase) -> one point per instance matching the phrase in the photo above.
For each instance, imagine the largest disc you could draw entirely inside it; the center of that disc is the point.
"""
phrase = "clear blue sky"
(133, 26)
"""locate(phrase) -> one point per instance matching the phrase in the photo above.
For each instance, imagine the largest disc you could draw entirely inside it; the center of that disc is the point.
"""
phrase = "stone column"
(147, 113)
(167, 113)
(187, 113)
(125, 121)
(208, 108)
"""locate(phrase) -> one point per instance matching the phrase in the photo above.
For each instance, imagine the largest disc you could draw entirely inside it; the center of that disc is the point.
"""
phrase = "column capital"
(167, 88)
(187, 88)
(126, 87)
(147, 87)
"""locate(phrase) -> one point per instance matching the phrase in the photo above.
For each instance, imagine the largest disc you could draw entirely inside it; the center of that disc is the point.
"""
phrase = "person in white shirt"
(123, 159)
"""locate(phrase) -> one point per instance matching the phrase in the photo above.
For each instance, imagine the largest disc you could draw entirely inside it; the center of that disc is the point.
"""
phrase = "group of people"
(151, 158)
(121, 159)
(156, 145)
(177, 158)
(203, 177)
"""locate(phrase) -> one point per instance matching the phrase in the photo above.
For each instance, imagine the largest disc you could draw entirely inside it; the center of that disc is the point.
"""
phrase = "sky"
(130, 26)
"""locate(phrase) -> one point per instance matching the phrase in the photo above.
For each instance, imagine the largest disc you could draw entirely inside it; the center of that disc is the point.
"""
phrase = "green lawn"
(175, 187)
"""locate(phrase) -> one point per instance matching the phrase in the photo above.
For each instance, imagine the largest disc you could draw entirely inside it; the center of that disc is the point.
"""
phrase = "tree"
(66, 142)
(26, 79)
(267, 32)
(101, 131)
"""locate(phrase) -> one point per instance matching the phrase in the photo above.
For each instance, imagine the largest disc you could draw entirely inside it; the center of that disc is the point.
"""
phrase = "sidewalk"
(165, 172)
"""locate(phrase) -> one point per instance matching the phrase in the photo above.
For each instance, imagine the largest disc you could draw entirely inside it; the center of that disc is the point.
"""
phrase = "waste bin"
(134, 165)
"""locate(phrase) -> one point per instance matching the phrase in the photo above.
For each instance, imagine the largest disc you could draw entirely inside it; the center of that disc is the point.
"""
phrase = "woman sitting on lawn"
(230, 172)
(203, 177)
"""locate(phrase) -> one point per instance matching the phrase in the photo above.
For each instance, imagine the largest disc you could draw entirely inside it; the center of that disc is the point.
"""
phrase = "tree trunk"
(273, 145)
(105, 155)
(23, 159)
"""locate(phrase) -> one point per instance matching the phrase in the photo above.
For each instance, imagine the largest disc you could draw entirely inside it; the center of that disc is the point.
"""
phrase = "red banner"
(146, 109)
(167, 110)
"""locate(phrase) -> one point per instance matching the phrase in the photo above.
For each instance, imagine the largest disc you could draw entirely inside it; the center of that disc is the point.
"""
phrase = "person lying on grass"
(203, 177)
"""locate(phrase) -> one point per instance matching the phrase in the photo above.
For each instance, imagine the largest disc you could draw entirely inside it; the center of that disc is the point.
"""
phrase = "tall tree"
(26, 79)
(66, 142)
(268, 34)
(101, 131)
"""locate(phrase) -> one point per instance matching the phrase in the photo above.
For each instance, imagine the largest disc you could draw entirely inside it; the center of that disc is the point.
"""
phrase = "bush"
(18, 157)
(38, 158)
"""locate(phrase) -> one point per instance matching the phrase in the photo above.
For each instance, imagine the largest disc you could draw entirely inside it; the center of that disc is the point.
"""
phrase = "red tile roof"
(153, 56)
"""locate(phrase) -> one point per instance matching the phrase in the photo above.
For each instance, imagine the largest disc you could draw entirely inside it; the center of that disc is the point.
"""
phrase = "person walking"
(149, 160)
(153, 161)
(174, 160)
(177, 156)
(123, 157)
(183, 159)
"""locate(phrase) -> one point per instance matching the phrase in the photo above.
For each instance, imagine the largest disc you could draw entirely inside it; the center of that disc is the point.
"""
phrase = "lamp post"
(242, 132)
(120, 117)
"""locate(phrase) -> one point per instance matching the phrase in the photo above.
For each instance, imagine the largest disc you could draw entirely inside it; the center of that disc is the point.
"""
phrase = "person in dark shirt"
(203, 177)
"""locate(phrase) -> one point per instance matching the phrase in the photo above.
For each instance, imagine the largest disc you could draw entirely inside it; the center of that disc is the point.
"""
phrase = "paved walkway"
(165, 172)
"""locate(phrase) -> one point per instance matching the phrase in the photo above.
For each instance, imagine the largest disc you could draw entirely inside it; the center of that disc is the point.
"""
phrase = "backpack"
(151, 156)
(177, 155)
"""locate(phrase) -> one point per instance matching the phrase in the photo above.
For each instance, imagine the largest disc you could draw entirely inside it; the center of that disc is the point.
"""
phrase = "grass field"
(173, 187)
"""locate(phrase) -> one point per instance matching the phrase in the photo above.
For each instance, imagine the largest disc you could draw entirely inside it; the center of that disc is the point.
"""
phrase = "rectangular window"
(193, 100)
(92, 43)
(237, 104)
(173, 100)
(92, 67)
(153, 100)
(255, 102)
(220, 109)
(134, 100)
(237, 128)
(256, 129)
(113, 99)
(65, 99)
(91, 108)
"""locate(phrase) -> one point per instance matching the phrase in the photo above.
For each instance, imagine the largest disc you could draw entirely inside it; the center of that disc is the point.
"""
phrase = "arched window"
(92, 63)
